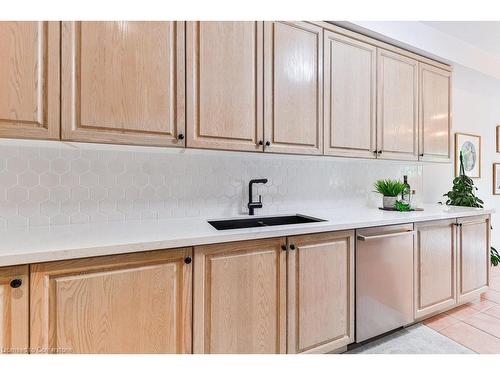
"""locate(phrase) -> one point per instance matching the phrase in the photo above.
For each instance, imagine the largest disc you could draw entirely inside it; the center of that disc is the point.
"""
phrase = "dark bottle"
(406, 193)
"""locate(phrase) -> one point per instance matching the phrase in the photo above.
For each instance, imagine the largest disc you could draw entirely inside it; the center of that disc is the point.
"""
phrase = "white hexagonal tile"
(49, 208)
(59, 193)
(89, 179)
(59, 219)
(17, 194)
(70, 207)
(17, 164)
(80, 166)
(141, 180)
(79, 193)
(38, 194)
(28, 209)
(116, 166)
(89, 206)
(39, 165)
(70, 179)
(49, 153)
(3, 164)
(28, 179)
(79, 218)
(49, 179)
(8, 208)
(98, 193)
(8, 179)
(17, 221)
(59, 166)
(38, 219)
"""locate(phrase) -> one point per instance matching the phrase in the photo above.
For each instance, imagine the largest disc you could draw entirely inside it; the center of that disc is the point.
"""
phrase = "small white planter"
(389, 202)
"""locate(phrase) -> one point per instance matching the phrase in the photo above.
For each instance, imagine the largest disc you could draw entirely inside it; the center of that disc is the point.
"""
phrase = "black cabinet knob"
(261, 143)
(421, 155)
(379, 152)
(268, 143)
(187, 260)
(292, 246)
(180, 136)
(16, 283)
(283, 247)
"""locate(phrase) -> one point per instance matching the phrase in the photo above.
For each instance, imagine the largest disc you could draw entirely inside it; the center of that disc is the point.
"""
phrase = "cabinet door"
(123, 82)
(349, 97)
(133, 303)
(14, 309)
(473, 257)
(397, 131)
(320, 292)
(435, 267)
(240, 297)
(435, 113)
(224, 85)
(293, 87)
(29, 76)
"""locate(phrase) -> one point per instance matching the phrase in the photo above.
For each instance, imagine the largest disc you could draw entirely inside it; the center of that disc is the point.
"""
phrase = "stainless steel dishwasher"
(384, 279)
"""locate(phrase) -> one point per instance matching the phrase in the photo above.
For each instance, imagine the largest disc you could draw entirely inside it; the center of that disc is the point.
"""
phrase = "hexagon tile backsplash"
(44, 182)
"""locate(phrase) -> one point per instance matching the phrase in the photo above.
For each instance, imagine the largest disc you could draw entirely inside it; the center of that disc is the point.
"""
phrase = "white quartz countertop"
(58, 242)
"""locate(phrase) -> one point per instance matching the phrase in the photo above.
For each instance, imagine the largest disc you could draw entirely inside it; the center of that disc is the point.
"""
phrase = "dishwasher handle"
(377, 236)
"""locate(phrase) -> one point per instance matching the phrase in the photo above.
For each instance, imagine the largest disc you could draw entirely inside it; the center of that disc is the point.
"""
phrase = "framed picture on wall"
(470, 146)
(496, 178)
(498, 138)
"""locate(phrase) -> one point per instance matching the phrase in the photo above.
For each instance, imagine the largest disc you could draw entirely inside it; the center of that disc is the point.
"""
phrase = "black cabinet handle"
(421, 155)
(261, 143)
(283, 247)
(187, 260)
(16, 283)
(268, 143)
(379, 152)
(292, 246)
(180, 136)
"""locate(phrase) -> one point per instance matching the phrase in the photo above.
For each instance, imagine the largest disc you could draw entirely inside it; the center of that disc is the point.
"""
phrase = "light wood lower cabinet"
(320, 292)
(240, 297)
(473, 257)
(14, 309)
(435, 267)
(133, 303)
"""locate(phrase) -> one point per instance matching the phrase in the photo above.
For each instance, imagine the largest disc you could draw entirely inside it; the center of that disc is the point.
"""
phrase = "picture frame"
(498, 138)
(470, 145)
(496, 178)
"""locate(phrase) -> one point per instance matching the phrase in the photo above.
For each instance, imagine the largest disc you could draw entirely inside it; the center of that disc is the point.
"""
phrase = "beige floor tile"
(491, 295)
(473, 338)
(481, 304)
(486, 323)
(441, 321)
(462, 312)
(494, 311)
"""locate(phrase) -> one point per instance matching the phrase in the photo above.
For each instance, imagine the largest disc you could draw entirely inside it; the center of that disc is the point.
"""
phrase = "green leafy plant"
(389, 188)
(402, 207)
(463, 192)
(495, 257)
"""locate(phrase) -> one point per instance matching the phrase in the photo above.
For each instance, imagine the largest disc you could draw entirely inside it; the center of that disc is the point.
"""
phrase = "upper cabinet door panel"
(123, 82)
(224, 85)
(293, 61)
(397, 106)
(349, 96)
(29, 73)
(435, 113)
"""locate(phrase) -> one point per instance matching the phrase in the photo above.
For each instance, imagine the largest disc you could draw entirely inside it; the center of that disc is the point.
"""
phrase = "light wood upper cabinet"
(350, 76)
(29, 76)
(14, 309)
(123, 82)
(435, 267)
(435, 113)
(133, 303)
(240, 297)
(473, 257)
(320, 292)
(224, 85)
(293, 87)
(397, 130)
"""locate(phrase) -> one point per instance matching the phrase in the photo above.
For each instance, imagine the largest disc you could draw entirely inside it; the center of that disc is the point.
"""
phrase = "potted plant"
(390, 189)
(463, 193)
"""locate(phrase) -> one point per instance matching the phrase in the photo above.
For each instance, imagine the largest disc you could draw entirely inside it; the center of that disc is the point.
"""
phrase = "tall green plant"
(463, 192)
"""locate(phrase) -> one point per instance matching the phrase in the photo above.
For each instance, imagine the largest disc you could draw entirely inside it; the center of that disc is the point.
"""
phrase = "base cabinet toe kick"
(315, 293)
